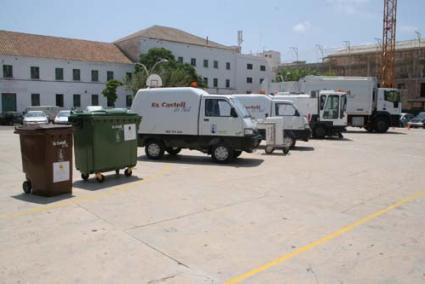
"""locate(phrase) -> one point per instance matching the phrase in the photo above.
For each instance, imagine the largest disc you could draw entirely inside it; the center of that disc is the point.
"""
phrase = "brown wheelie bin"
(46, 159)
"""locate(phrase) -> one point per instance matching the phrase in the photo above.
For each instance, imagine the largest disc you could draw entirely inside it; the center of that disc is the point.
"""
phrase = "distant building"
(366, 60)
(223, 68)
(71, 73)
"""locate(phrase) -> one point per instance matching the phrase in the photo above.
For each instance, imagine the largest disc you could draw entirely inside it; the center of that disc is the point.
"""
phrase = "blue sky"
(267, 24)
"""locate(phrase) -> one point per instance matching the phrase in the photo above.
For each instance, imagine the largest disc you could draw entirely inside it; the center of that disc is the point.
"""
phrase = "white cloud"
(302, 27)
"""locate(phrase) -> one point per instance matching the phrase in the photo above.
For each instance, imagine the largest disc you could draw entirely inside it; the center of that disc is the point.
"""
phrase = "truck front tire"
(319, 132)
(222, 153)
(381, 124)
(154, 149)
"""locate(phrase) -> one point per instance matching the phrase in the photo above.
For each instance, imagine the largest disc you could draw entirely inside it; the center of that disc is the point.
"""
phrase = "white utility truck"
(176, 118)
(326, 112)
(375, 109)
(261, 107)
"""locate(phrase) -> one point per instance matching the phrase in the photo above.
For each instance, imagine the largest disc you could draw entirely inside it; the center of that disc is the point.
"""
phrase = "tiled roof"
(174, 35)
(30, 45)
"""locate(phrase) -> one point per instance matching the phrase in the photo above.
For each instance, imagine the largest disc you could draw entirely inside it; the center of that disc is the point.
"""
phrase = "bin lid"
(105, 112)
(42, 128)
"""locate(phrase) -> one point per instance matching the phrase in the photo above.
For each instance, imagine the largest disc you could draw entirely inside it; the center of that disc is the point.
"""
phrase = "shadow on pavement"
(395, 132)
(41, 199)
(204, 160)
(110, 180)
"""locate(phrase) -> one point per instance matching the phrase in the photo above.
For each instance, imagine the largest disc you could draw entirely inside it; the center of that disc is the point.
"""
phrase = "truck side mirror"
(233, 112)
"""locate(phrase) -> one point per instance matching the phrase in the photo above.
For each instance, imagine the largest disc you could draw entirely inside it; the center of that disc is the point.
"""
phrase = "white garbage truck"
(176, 118)
(370, 107)
(325, 111)
(261, 107)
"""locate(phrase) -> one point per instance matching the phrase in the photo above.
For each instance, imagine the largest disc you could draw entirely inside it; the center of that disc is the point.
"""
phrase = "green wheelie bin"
(105, 140)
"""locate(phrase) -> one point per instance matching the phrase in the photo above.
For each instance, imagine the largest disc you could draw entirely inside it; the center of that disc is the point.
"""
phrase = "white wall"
(48, 87)
(238, 70)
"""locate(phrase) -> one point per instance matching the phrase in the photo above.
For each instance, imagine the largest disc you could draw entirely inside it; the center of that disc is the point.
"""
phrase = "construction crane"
(387, 74)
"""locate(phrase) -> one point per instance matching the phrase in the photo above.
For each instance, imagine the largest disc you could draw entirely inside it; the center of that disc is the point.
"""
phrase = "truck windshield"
(240, 108)
(392, 96)
(331, 109)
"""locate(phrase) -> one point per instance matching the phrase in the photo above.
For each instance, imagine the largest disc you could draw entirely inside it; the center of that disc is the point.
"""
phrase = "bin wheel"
(100, 178)
(117, 171)
(26, 186)
(85, 176)
(285, 150)
(128, 172)
(269, 149)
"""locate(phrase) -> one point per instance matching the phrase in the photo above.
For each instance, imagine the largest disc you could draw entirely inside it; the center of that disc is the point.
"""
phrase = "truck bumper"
(395, 120)
(249, 143)
(302, 134)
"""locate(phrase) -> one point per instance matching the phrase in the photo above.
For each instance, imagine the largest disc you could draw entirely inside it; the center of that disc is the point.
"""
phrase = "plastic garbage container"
(105, 140)
(46, 159)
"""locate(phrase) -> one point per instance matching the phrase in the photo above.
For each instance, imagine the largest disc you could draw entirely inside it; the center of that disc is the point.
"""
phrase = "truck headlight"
(248, 131)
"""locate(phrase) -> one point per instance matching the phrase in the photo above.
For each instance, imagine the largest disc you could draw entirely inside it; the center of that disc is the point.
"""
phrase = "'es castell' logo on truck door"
(174, 106)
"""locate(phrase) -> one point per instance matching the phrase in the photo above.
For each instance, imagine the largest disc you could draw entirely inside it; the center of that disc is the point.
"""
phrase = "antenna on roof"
(240, 38)
(207, 40)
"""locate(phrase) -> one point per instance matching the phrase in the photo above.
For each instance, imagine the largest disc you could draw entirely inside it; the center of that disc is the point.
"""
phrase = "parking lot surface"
(332, 211)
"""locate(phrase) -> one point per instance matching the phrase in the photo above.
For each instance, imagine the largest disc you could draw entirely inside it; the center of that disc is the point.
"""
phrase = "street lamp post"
(162, 60)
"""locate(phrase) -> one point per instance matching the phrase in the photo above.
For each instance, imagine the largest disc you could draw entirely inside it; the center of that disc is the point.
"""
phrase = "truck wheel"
(222, 153)
(269, 149)
(100, 178)
(26, 186)
(381, 125)
(154, 150)
(285, 150)
(173, 150)
(236, 154)
(319, 132)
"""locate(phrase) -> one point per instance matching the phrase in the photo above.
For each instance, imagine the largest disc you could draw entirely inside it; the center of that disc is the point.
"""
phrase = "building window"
(76, 74)
(7, 71)
(215, 83)
(128, 100)
(249, 66)
(249, 80)
(215, 64)
(94, 100)
(35, 73)
(206, 82)
(263, 68)
(109, 75)
(110, 103)
(35, 99)
(129, 75)
(227, 83)
(261, 80)
(59, 74)
(227, 65)
(59, 100)
(76, 100)
(180, 59)
(193, 61)
(205, 63)
(94, 75)
(423, 90)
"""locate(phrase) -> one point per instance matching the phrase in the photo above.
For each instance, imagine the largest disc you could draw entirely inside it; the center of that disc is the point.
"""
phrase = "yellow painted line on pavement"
(325, 239)
(84, 198)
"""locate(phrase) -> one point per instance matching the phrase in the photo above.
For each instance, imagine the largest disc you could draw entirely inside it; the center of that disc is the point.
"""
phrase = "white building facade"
(223, 68)
(38, 70)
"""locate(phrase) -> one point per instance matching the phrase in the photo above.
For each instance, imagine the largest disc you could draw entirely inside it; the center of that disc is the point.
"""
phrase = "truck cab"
(326, 111)
(388, 101)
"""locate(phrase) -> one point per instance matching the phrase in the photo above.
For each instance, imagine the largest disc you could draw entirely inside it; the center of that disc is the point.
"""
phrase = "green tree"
(173, 73)
(294, 74)
(110, 91)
